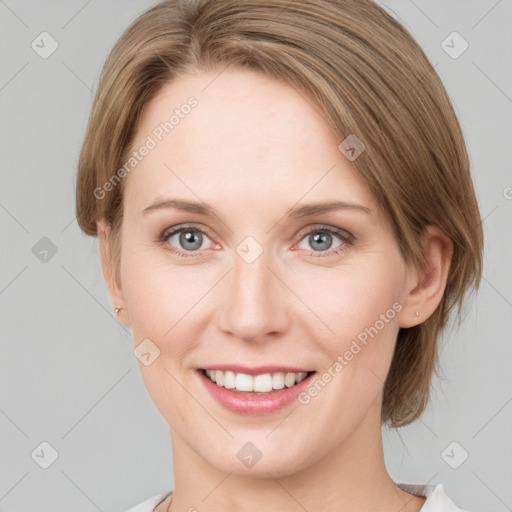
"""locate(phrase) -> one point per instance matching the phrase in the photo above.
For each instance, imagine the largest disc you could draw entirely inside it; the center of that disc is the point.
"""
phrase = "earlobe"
(107, 264)
(427, 285)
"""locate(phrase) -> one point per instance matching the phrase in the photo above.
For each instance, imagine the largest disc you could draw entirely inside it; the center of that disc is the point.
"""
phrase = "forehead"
(238, 132)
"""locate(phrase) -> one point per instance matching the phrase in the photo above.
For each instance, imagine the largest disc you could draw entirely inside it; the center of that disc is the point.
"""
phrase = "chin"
(248, 461)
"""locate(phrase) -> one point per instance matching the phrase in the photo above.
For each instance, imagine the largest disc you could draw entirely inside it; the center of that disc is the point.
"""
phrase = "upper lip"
(255, 370)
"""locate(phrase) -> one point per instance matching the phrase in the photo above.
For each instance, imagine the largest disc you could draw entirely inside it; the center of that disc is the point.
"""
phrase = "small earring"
(416, 315)
(116, 311)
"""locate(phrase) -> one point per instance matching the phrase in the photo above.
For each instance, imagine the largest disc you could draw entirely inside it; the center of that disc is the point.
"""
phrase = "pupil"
(189, 237)
(322, 238)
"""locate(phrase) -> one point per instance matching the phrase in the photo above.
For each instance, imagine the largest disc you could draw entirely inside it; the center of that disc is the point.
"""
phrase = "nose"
(253, 304)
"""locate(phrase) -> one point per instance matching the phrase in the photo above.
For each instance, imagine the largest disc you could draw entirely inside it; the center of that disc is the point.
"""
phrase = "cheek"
(348, 301)
(163, 303)
(360, 308)
(162, 297)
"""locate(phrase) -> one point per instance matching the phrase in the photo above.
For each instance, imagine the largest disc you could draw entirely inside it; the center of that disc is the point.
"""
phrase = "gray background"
(68, 374)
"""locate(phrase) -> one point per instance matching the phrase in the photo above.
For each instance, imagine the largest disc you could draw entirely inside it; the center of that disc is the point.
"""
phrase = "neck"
(351, 476)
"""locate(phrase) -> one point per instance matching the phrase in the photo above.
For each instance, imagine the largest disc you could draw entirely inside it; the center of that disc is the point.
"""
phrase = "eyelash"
(344, 236)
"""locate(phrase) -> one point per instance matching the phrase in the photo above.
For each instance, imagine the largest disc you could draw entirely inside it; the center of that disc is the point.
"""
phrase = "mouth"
(257, 384)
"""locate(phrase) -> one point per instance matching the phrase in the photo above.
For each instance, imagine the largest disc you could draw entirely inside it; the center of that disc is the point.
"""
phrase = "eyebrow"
(296, 212)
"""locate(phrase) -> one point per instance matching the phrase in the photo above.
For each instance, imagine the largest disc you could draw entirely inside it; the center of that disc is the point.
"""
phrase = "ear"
(114, 287)
(427, 285)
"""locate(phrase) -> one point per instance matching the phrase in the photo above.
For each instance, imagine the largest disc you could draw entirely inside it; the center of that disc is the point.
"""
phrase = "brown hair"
(371, 79)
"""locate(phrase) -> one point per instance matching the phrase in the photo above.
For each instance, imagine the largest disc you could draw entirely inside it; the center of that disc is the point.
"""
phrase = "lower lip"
(251, 404)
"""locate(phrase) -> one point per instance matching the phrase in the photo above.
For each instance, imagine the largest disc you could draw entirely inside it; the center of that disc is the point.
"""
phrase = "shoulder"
(149, 504)
(437, 500)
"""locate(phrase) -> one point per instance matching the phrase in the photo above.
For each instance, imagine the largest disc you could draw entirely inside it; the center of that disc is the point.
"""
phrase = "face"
(252, 284)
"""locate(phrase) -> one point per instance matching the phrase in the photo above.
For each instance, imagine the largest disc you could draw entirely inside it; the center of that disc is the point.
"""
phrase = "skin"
(253, 148)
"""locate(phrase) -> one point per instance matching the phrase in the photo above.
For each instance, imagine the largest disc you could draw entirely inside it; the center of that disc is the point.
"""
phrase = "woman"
(286, 218)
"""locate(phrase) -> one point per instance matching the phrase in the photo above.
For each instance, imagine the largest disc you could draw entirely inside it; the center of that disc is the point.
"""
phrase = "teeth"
(263, 383)
(278, 380)
(244, 382)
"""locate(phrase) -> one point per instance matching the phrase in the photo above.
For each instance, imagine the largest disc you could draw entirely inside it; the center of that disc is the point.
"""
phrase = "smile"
(254, 395)
(258, 384)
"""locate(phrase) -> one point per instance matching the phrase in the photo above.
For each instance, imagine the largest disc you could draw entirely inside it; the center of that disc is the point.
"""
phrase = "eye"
(321, 240)
(187, 241)
(184, 239)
